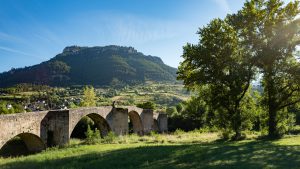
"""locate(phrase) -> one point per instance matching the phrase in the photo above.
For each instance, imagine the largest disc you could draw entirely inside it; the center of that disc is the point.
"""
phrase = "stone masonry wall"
(55, 127)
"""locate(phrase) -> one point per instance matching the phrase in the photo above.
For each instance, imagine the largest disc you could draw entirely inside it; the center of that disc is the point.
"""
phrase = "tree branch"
(288, 104)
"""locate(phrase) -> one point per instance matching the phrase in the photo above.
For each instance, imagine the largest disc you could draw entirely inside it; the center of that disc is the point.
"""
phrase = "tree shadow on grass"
(258, 154)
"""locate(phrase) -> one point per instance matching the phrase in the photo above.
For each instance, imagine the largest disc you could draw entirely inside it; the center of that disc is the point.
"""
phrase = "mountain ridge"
(99, 66)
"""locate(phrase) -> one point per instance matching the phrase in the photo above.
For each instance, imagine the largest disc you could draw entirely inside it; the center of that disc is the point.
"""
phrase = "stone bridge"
(42, 129)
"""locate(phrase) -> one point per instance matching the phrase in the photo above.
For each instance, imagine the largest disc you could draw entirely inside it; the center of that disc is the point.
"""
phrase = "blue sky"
(33, 31)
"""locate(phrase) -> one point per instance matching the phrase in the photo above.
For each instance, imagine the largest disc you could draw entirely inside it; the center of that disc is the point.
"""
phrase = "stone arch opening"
(22, 144)
(95, 121)
(135, 123)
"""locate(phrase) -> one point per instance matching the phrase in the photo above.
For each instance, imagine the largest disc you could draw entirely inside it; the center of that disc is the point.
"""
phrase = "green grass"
(184, 150)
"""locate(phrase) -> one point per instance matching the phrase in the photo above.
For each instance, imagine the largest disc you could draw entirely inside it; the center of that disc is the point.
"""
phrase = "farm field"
(181, 150)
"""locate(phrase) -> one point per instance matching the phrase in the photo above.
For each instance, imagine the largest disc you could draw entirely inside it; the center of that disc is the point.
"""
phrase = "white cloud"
(106, 27)
(18, 52)
(10, 38)
(224, 5)
(132, 29)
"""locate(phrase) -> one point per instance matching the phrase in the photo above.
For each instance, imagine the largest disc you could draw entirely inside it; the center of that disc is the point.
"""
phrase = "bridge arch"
(32, 142)
(136, 122)
(101, 123)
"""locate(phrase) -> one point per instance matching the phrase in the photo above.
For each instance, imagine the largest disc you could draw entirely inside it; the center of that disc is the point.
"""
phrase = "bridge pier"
(119, 121)
(54, 128)
(147, 120)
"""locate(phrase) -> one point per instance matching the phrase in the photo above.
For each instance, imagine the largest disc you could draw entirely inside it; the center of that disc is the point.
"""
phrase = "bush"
(178, 132)
(295, 130)
(153, 133)
(110, 138)
(159, 139)
(16, 108)
(226, 134)
(147, 105)
(286, 123)
(92, 137)
(82, 127)
(206, 130)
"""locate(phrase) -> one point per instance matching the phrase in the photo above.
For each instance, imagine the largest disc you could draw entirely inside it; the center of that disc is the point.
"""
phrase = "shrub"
(286, 123)
(159, 139)
(153, 133)
(81, 127)
(110, 138)
(178, 132)
(226, 134)
(92, 137)
(123, 140)
(205, 130)
(147, 105)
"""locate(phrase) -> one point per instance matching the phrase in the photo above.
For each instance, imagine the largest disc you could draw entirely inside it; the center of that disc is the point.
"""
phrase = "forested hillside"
(98, 66)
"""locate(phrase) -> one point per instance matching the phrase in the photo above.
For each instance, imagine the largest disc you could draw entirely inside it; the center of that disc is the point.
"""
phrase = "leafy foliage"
(260, 38)
(92, 137)
(221, 64)
(89, 97)
(15, 108)
(147, 105)
(271, 31)
(81, 129)
(110, 138)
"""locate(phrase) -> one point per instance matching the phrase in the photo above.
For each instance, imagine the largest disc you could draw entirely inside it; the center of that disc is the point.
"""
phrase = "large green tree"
(223, 65)
(89, 96)
(270, 30)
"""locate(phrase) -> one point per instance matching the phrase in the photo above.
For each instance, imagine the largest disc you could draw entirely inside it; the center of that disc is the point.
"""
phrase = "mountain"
(97, 66)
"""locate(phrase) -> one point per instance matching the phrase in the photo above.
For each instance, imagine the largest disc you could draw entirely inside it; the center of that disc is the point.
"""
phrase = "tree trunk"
(271, 107)
(272, 122)
(237, 126)
(238, 135)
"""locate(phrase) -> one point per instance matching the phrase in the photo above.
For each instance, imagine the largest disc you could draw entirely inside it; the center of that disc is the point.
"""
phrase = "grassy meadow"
(178, 150)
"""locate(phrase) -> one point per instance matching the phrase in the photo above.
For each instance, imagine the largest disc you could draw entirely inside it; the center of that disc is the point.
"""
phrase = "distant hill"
(97, 66)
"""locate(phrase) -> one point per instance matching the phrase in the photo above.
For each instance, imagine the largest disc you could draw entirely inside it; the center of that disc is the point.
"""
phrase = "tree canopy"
(259, 40)
(271, 31)
(89, 97)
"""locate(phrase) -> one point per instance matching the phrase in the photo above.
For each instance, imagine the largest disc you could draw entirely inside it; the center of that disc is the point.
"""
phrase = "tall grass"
(194, 149)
